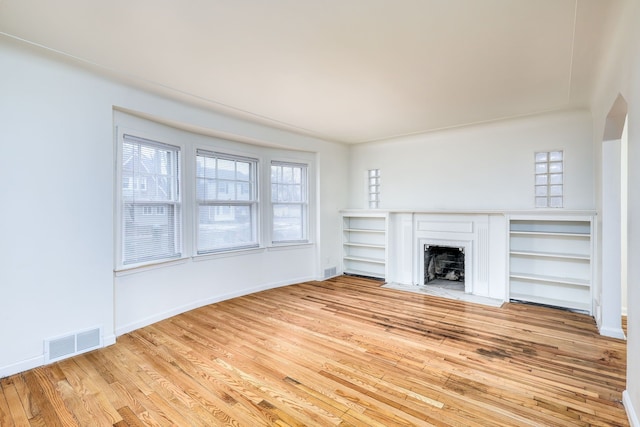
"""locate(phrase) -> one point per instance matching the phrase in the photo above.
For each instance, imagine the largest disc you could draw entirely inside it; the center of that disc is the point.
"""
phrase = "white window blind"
(289, 201)
(227, 199)
(150, 201)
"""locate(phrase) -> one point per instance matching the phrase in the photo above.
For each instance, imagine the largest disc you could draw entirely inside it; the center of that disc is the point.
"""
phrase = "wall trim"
(612, 332)
(23, 365)
(206, 301)
(36, 362)
(632, 414)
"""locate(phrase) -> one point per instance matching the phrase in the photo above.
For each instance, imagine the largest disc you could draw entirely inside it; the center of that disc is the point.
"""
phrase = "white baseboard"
(613, 332)
(141, 323)
(23, 365)
(35, 362)
(632, 414)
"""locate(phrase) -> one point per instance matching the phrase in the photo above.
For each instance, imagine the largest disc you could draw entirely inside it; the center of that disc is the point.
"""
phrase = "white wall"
(621, 75)
(57, 226)
(484, 167)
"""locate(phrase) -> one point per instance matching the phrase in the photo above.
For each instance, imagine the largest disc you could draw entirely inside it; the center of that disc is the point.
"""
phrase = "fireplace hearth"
(442, 264)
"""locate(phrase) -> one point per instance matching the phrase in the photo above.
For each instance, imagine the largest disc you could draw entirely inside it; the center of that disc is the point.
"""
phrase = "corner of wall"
(632, 414)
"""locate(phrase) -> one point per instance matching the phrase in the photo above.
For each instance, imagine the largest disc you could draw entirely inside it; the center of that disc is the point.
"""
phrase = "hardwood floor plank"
(339, 352)
(12, 412)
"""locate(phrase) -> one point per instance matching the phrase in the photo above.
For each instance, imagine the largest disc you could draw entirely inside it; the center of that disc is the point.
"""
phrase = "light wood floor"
(338, 352)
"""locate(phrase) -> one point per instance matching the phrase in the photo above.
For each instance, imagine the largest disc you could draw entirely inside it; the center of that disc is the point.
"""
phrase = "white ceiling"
(345, 70)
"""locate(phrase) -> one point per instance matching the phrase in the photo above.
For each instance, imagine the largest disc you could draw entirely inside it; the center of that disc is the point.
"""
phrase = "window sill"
(225, 254)
(125, 271)
(289, 246)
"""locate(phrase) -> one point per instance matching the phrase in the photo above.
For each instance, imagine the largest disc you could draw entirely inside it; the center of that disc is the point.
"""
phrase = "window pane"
(555, 156)
(224, 227)
(243, 191)
(541, 168)
(555, 190)
(541, 179)
(541, 202)
(150, 216)
(288, 195)
(149, 233)
(555, 202)
(288, 223)
(555, 178)
(541, 157)
(224, 178)
(555, 167)
(541, 190)
(243, 171)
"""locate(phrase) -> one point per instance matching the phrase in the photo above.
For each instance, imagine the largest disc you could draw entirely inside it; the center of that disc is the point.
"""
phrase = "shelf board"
(363, 273)
(365, 230)
(549, 233)
(364, 245)
(551, 279)
(577, 305)
(551, 255)
(365, 259)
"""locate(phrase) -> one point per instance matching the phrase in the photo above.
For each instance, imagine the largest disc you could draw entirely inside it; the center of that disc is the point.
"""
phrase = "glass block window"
(373, 178)
(549, 178)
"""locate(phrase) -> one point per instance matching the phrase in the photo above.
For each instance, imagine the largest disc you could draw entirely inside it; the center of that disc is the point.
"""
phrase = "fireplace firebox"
(443, 263)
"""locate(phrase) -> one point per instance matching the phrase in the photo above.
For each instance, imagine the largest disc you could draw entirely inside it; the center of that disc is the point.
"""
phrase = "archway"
(614, 217)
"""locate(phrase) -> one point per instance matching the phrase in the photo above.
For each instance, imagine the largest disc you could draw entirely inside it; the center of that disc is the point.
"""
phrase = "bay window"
(150, 201)
(227, 202)
(289, 202)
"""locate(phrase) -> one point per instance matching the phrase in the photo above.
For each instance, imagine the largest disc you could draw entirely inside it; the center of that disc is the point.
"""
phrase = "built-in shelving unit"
(365, 243)
(550, 260)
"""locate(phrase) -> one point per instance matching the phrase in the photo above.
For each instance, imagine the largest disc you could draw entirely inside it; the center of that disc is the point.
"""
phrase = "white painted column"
(610, 299)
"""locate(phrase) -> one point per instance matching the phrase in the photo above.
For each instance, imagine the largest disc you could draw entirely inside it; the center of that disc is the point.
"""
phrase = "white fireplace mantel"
(481, 234)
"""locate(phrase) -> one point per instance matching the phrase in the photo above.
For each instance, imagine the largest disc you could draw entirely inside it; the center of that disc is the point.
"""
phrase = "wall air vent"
(330, 272)
(72, 344)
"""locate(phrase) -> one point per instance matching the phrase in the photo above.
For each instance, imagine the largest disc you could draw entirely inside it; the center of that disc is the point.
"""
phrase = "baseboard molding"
(613, 332)
(23, 365)
(632, 414)
(36, 362)
(123, 329)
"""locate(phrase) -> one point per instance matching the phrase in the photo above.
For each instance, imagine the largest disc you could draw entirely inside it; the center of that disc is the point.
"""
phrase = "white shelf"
(551, 279)
(583, 306)
(365, 259)
(366, 273)
(365, 244)
(363, 230)
(548, 233)
(552, 255)
(550, 260)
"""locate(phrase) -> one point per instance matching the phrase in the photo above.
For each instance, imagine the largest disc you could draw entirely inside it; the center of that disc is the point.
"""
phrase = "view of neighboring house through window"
(549, 172)
(227, 200)
(373, 182)
(289, 201)
(150, 201)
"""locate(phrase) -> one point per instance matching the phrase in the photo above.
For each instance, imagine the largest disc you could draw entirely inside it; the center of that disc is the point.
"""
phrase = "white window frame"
(133, 184)
(253, 202)
(303, 202)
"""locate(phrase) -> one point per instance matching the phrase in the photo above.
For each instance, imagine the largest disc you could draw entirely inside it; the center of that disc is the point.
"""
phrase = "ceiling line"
(573, 46)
